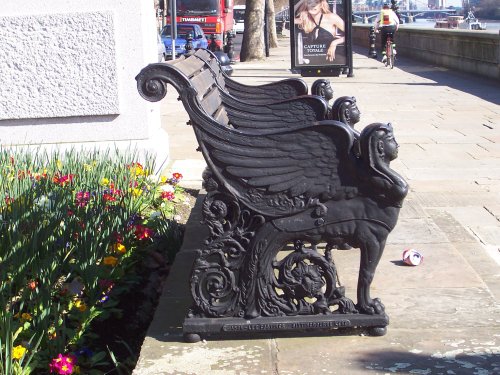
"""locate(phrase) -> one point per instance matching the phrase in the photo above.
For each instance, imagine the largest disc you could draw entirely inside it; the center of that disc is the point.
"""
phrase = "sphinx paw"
(375, 306)
(378, 306)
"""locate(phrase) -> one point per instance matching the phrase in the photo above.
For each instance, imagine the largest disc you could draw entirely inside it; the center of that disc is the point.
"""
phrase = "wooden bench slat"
(190, 66)
(203, 82)
(221, 117)
(211, 102)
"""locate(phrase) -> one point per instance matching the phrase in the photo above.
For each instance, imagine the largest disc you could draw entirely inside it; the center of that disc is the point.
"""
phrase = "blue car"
(183, 29)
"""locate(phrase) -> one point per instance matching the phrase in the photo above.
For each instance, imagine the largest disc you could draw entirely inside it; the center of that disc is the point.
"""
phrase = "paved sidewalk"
(445, 313)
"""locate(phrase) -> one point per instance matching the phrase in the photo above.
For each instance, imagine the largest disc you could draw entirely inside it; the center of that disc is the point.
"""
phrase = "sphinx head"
(378, 148)
(378, 145)
(345, 109)
(323, 88)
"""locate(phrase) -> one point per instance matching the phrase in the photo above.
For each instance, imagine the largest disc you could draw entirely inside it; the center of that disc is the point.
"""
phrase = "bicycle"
(390, 51)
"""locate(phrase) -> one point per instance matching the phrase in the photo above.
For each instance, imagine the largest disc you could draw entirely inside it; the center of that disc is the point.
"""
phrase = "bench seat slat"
(221, 116)
(190, 66)
(203, 82)
(212, 101)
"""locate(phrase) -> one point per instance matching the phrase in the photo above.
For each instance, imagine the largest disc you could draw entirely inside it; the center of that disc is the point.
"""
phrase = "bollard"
(372, 52)
(189, 43)
(229, 48)
(213, 45)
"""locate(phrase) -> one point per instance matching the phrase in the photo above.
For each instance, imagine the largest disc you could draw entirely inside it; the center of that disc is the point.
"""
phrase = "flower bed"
(75, 229)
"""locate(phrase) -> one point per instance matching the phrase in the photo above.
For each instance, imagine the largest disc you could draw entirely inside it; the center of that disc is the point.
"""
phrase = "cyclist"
(387, 22)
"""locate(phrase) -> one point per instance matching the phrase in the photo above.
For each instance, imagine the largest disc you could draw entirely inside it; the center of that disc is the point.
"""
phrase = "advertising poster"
(320, 34)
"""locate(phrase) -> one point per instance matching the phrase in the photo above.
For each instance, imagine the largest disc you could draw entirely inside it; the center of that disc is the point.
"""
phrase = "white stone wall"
(67, 74)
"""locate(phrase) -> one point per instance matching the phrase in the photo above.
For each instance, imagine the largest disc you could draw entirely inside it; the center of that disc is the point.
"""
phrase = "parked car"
(183, 29)
(162, 52)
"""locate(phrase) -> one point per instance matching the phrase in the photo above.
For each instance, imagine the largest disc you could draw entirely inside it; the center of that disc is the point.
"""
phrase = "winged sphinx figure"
(268, 188)
(309, 185)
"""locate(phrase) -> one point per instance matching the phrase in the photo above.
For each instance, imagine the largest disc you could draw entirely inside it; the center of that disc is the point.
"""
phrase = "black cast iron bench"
(285, 189)
(288, 108)
(275, 91)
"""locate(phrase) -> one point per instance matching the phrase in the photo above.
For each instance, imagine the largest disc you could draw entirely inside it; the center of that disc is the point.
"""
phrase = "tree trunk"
(271, 24)
(252, 46)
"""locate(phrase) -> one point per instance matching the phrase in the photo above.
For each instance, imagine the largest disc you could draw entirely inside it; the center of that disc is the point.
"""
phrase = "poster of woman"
(319, 33)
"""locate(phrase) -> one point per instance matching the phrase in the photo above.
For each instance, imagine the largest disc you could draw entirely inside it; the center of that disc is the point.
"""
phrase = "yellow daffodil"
(110, 261)
(25, 317)
(52, 333)
(105, 181)
(136, 169)
(119, 248)
(80, 305)
(18, 352)
(136, 192)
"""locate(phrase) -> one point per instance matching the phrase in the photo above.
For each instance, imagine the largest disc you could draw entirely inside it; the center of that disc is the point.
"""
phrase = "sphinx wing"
(295, 167)
(287, 114)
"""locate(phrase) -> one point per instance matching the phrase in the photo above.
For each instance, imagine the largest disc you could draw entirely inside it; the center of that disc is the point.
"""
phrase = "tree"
(252, 46)
(271, 24)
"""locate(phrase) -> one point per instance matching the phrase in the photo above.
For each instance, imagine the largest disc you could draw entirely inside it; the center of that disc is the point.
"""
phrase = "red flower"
(142, 233)
(118, 237)
(106, 285)
(108, 197)
(177, 176)
(32, 284)
(22, 174)
(63, 180)
(116, 192)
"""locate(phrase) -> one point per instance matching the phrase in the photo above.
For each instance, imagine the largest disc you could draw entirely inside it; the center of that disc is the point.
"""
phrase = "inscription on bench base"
(326, 323)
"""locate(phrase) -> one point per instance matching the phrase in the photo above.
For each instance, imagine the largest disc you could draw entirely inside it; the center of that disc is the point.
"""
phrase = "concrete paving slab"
(448, 198)
(212, 357)
(418, 230)
(443, 267)
(409, 351)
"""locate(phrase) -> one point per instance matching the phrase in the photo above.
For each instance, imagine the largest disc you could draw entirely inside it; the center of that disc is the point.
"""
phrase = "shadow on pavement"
(458, 361)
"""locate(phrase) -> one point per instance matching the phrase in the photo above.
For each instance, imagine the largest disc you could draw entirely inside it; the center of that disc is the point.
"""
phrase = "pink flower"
(167, 195)
(63, 364)
(82, 198)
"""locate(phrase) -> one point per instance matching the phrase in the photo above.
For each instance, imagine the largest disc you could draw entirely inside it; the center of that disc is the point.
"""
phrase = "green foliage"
(72, 226)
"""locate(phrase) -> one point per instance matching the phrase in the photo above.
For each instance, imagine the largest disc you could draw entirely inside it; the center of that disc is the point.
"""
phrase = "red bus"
(214, 17)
